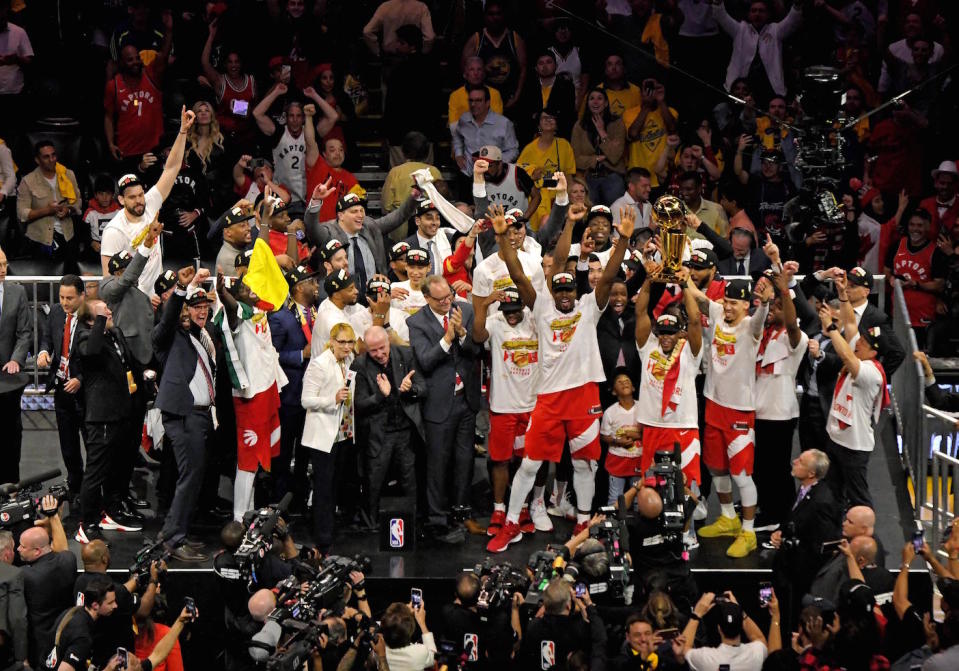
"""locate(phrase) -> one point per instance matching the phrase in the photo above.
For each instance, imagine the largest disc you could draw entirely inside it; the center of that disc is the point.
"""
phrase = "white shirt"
(641, 210)
(615, 419)
(568, 348)
(52, 181)
(854, 409)
(438, 252)
(414, 657)
(743, 657)
(770, 42)
(776, 377)
(491, 275)
(869, 231)
(329, 315)
(120, 232)
(397, 323)
(515, 363)
(602, 256)
(731, 364)
(198, 383)
(13, 40)
(683, 409)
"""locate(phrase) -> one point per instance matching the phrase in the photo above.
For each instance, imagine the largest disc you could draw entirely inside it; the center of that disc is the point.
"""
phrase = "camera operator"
(398, 625)
(49, 572)
(374, 652)
(12, 604)
(657, 554)
(118, 629)
(487, 638)
(242, 624)
(557, 630)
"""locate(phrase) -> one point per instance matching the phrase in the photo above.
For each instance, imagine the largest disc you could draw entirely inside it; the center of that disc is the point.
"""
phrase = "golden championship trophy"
(669, 213)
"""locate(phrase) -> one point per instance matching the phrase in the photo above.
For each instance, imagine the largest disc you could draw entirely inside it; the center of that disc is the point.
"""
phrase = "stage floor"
(437, 560)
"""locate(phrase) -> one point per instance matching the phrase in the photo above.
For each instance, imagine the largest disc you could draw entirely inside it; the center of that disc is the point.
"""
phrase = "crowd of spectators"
(281, 263)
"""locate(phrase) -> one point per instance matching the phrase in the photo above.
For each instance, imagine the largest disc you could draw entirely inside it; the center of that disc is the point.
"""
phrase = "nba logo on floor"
(396, 533)
(547, 655)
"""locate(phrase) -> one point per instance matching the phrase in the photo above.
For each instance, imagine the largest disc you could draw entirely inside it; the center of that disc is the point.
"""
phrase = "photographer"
(733, 624)
(657, 554)
(644, 649)
(372, 652)
(398, 625)
(486, 636)
(73, 638)
(557, 630)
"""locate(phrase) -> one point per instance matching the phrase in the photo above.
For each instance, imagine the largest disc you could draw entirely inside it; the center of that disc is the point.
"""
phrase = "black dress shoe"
(184, 552)
(217, 513)
(194, 542)
(134, 502)
(128, 510)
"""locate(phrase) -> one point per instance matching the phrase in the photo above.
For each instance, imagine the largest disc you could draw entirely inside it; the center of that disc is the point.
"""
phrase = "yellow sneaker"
(744, 544)
(723, 526)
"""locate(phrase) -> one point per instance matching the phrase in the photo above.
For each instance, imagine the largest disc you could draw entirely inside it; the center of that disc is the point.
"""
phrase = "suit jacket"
(132, 310)
(440, 367)
(289, 341)
(816, 519)
(13, 608)
(323, 413)
(51, 340)
(33, 193)
(562, 99)
(107, 392)
(611, 339)
(758, 262)
(179, 358)
(373, 231)
(16, 327)
(370, 404)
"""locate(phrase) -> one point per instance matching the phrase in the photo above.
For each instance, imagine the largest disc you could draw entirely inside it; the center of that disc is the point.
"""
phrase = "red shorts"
(571, 414)
(257, 430)
(656, 438)
(728, 442)
(507, 434)
(624, 466)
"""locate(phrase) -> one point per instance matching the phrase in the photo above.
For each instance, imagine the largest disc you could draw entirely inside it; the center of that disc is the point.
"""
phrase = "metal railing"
(939, 429)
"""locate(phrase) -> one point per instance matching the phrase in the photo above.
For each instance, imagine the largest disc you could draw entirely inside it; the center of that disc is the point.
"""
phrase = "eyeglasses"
(476, 101)
(440, 299)
(343, 342)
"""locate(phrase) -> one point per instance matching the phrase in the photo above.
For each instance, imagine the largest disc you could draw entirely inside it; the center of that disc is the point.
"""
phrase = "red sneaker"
(496, 522)
(579, 527)
(526, 522)
(509, 533)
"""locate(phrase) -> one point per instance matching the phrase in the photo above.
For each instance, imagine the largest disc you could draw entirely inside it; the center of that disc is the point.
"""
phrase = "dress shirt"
(357, 242)
(641, 210)
(438, 252)
(199, 386)
(495, 129)
(859, 310)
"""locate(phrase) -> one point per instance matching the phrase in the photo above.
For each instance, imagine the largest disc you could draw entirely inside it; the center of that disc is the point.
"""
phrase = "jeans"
(616, 487)
(604, 190)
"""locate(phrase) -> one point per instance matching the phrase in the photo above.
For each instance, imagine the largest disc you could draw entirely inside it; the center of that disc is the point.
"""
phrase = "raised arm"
(330, 116)
(694, 322)
(175, 160)
(206, 65)
(164, 331)
(757, 322)
(841, 347)
(309, 136)
(263, 121)
(644, 325)
(900, 591)
(561, 252)
(627, 222)
(480, 308)
(525, 288)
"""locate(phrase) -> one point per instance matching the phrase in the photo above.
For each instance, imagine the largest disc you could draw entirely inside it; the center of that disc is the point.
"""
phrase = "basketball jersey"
(916, 266)
(289, 162)
(234, 104)
(508, 192)
(502, 63)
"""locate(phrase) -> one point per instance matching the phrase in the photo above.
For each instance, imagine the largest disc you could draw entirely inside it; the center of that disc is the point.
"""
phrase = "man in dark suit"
(58, 336)
(560, 101)
(12, 602)
(429, 235)
(16, 336)
(111, 375)
(813, 520)
(615, 334)
(185, 396)
(387, 399)
(447, 357)
(291, 329)
(747, 258)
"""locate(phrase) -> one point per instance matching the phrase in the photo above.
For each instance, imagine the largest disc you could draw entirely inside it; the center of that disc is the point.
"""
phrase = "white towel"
(461, 221)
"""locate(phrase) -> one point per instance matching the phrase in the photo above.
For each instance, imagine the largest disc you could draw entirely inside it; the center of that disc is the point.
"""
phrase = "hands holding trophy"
(669, 213)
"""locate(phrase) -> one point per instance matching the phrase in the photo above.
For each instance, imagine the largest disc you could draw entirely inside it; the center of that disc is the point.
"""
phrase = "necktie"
(431, 248)
(458, 383)
(65, 347)
(446, 323)
(359, 265)
(740, 269)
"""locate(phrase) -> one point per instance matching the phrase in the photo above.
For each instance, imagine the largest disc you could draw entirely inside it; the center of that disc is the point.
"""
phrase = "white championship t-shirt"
(491, 275)
(120, 232)
(615, 419)
(406, 308)
(329, 315)
(854, 408)
(776, 371)
(731, 365)
(682, 409)
(514, 356)
(364, 320)
(568, 348)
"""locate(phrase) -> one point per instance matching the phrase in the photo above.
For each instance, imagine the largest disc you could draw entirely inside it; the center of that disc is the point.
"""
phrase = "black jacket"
(611, 339)
(106, 390)
(550, 639)
(370, 405)
(942, 400)
(815, 520)
(179, 357)
(51, 341)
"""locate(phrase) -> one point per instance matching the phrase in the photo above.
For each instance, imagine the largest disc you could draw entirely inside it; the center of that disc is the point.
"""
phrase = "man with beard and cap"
(780, 354)
(596, 238)
(185, 396)
(380, 312)
(430, 236)
(670, 354)
(514, 377)
(163, 289)
(291, 329)
(237, 234)
(567, 405)
(492, 275)
(333, 256)
(860, 395)
(282, 234)
(257, 377)
(129, 226)
(728, 439)
(397, 271)
(339, 307)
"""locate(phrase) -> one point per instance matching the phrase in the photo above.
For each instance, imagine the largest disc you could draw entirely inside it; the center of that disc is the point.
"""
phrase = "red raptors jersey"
(137, 107)
(234, 106)
(916, 266)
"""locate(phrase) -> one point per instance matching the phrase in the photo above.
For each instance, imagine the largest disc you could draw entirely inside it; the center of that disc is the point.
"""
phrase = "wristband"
(695, 616)
(831, 328)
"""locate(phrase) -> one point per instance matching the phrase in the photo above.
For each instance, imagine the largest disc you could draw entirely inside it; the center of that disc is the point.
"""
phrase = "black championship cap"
(375, 286)
(511, 301)
(398, 251)
(242, 259)
(667, 323)
(599, 211)
(299, 274)
(338, 281)
(164, 282)
(197, 296)
(741, 290)
(126, 181)
(563, 282)
(702, 259)
(417, 257)
(424, 206)
(348, 200)
(331, 247)
(860, 277)
(119, 261)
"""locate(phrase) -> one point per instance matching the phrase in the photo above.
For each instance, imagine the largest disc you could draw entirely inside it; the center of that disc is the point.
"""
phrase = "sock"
(499, 506)
(242, 493)
(728, 509)
(538, 493)
(747, 524)
(584, 484)
(522, 484)
(559, 489)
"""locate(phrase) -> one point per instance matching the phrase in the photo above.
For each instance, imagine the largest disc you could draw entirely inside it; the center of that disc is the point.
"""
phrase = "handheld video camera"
(22, 504)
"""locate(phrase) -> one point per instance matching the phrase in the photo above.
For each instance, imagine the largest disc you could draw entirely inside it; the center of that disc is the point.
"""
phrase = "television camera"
(22, 504)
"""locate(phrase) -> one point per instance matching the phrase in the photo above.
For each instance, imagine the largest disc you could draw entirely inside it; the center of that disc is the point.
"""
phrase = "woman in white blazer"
(328, 399)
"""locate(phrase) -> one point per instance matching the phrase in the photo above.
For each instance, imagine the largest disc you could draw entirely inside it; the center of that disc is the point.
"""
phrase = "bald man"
(862, 553)
(859, 521)
(261, 604)
(12, 603)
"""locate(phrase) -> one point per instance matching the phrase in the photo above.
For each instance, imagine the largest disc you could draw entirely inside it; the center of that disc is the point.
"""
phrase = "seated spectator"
(398, 626)
(503, 52)
(548, 90)
(622, 93)
(545, 155)
(100, 210)
(47, 200)
(381, 32)
(479, 128)
(647, 126)
(251, 176)
(234, 90)
(474, 74)
(599, 147)
(747, 258)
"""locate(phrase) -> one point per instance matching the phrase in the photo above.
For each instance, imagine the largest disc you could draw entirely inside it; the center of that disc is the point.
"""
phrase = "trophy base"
(664, 277)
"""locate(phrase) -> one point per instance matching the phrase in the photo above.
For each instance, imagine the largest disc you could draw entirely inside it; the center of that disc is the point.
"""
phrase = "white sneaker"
(108, 523)
(563, 509)
(690, 540)
(537, 511)
(700, 513)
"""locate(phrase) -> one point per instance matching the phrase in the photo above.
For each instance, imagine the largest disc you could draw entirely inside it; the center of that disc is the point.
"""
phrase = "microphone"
(11, 487)
(264, 642)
